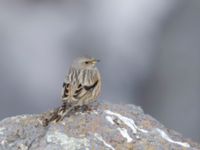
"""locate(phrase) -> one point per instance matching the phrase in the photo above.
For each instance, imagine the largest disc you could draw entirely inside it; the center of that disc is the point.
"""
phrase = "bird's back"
(81, 85)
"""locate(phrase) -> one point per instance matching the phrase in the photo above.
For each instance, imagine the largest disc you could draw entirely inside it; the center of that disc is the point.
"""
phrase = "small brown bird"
(81, 87)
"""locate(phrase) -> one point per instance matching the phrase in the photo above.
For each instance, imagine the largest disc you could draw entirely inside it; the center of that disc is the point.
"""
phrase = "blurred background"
(149, 52)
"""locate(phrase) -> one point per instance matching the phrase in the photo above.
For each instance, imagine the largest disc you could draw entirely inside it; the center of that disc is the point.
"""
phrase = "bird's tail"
(58, 114)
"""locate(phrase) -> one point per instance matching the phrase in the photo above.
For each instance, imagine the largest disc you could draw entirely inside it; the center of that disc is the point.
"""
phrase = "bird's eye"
(87, 62)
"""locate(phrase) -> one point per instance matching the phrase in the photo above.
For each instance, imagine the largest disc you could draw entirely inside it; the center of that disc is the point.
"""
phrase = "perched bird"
(81, 86)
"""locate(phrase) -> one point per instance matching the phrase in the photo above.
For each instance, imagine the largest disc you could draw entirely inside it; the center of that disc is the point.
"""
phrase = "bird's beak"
(95, 61)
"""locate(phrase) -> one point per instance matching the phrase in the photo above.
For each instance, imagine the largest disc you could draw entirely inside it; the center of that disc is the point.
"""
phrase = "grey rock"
(106, 127)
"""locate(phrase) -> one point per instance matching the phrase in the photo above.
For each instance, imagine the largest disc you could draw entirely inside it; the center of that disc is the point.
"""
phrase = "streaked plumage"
(81, 86)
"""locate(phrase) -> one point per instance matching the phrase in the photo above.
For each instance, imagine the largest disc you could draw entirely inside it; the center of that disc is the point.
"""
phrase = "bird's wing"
(65, 90)
(84, 89)
(76, 88)
(90, 87)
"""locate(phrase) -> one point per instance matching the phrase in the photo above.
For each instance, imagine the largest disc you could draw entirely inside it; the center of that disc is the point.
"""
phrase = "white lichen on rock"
(66, 142)
(22, 147)
(2, 130)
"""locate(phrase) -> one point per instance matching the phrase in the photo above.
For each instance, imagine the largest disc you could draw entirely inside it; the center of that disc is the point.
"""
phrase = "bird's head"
(85, 63)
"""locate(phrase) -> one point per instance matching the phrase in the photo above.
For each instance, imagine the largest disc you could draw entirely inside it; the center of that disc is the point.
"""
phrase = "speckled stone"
(106, 127)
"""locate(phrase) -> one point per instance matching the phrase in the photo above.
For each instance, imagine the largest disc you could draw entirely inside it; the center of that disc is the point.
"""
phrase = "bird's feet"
(86, 108)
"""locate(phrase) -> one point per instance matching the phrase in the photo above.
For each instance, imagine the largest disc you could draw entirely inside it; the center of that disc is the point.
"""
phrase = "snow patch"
(104, 142)
(95, 112)
(125, 134)
(128, 121)
(110, 119)
(167, 138)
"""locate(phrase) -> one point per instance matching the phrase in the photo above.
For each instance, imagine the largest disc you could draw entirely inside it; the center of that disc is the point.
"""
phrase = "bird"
(81, 87)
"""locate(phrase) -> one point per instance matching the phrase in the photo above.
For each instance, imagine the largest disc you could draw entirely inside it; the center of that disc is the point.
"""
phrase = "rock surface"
(107, 127)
